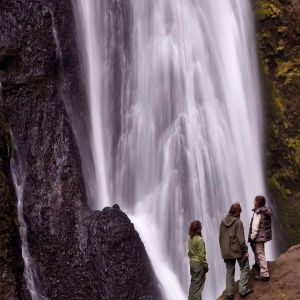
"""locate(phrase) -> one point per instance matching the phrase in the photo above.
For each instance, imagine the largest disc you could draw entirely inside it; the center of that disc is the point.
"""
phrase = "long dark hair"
(235, 210)
(260, 200)
(195, 229)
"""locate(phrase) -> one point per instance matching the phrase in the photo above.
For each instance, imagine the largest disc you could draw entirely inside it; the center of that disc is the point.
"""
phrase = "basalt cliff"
(76, 253)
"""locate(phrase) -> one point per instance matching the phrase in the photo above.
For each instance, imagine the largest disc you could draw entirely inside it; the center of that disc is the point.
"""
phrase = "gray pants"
(197, 280)
(260, 258)
(245, 269)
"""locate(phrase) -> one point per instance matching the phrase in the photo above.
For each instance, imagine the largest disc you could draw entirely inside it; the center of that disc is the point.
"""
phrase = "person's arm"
(220, 235)
(240, 235)
(202, 253)
(255, 226)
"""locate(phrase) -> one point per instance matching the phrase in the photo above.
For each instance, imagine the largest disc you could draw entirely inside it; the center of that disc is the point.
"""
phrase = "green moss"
(278, 25)
(275, 185)
(268, 10)
(280, 46)
(294, 144)
(264, 36)
(288, 70)
(282, 29)
(275, 105)
(289, 217)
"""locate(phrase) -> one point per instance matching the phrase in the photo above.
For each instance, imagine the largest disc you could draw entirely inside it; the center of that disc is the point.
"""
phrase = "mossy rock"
(288, 70)
(268, 10)
(278, 27)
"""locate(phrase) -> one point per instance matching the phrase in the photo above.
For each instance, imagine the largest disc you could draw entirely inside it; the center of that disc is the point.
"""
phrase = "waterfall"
(95, 81)
(175, 121)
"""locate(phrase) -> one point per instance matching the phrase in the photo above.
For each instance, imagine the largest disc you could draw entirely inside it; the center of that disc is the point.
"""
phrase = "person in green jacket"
(234, 248)
(198, 263)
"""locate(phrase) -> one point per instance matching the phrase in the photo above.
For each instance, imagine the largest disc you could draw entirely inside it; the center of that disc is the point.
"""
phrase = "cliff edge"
(284, 282)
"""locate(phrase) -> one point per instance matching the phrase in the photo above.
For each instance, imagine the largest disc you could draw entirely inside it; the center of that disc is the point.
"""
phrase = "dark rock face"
(108, 262)
(114, 248)
(11, 263)
(78, 254)
(278, 28)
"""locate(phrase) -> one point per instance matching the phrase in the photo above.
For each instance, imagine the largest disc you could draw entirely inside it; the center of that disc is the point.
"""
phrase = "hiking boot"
(246, 293)
(256, 266)
(261, 278)
(229, 297)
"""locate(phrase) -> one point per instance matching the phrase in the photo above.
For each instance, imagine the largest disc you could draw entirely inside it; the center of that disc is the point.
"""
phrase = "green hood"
(232, 238)
(229, 221)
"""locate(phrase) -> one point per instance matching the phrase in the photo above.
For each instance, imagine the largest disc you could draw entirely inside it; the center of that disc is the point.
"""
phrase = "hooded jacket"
(232, 238)
(197, 252)
(265, 225)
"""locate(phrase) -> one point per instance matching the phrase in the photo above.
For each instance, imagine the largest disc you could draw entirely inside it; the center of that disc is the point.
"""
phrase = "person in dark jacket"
(234, 248)
(260, 232)
(198, 263)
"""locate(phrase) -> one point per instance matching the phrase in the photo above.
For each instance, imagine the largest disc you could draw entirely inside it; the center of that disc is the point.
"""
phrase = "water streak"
(95, 78)
(56, 39)
(30, 270)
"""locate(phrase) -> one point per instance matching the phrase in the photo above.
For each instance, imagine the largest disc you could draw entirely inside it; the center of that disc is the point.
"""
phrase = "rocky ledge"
(285, 278)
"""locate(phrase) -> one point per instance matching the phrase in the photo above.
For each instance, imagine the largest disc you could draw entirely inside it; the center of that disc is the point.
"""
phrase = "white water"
(55, 37)
(95, 78)
(190, 114)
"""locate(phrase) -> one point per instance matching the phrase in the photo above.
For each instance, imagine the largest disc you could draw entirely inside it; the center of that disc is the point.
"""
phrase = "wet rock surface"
(11, 263)
(78, 254)
(278, 28)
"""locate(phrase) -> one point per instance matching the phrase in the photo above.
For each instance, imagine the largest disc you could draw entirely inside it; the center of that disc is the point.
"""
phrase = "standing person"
(260, 232)
(234, 248)
(198, 264)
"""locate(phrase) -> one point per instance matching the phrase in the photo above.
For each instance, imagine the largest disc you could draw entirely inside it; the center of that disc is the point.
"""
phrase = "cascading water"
(181, 139)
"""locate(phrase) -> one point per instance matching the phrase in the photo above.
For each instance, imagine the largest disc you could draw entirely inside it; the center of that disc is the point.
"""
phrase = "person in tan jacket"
(234, 248)
(260, 233)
